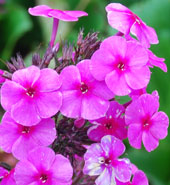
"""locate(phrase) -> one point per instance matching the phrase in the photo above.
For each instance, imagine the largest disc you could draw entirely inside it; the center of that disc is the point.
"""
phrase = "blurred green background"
(20, 32)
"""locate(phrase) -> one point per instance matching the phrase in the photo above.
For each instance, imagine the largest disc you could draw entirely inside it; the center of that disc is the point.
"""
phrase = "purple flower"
(20, 139)
(7, 177)
(64, 15)
(146, 124)
(32, 95)
(121, 64)
(139, 178)
(83, 96)
(43, 167)
(112, 124)
(2, 79)
(102, 159)
(125, 21)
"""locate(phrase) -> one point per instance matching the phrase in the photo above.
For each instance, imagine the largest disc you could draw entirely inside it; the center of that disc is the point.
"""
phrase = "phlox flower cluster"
(66, 125)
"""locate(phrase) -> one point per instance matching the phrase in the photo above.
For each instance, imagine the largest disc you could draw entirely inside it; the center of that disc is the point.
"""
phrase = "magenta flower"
(64, 15)
(32, 95)
(7, 177)
(146, 124)
(125, 21)
(112, 124)
(139, 178)
(20, 139)
(121, 64)
(43, 167)
(102, 159)
(83, 96)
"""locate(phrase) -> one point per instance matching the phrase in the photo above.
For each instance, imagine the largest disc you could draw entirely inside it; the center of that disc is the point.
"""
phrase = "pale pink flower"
(31, 95)
(83, 96)
(112, 124)
(125, 21)
(43, 167)
(102, 159)
(145, 123)
(64, 15)
(20, 139)
(122, 64)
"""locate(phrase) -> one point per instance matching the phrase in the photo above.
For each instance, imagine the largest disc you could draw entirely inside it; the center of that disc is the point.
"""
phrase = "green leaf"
(16, 22)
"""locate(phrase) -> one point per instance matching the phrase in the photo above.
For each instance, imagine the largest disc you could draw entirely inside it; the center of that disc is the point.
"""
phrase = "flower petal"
(48, 103)
(41, 10)
(11, 93)
(140, 178)
(138, 78)
(135, 135)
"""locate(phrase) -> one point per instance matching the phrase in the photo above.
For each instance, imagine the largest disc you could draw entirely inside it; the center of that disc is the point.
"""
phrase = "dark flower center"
(43, 178)
(108, 125)
(84, 88)
(121, 66)
(146, 122)
(25, 130)
(30, 92)
(106, 161)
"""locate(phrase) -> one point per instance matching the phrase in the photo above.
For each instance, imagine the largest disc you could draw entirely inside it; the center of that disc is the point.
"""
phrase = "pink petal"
(93, 107)
(41, 10)
(8, 133)
(11, 93)
(41, 158)
(79, 122)
(25, 173)
(48, 103)
(62, 169)
(75, 13)
(49, 80)
(117, 83)
(2, 79)
(102, 63)
(44, 132)
(61, 15)
(140, 178)
(159, 126)
(96, 132)
(138, 78)
(26, 77)
(100, 89)
(156, 61)
(22, 146)
(149, 103)
(71, 105)
(123, 170)
(136, 54)
(112, 146)
(70, 77)
(149, 142)
(24, 112)
(106, 178)
(116, 45)
(115, 110)
(135, 135)
(119, 17)
(134, 113)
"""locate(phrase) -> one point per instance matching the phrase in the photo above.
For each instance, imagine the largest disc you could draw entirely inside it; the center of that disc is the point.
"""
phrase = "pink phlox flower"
(135, 94)
(2, 79)
(7, 177)
(43, 167)
(139, 178)
(125, 21)
(20, 139)
(31, 95)
(112, 124)
(83, 96)
(145, 123)
(102, 159)
(156, 61)
(122, 64)
(64, 15)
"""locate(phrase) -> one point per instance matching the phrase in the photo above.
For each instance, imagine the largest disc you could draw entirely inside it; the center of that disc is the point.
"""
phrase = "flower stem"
(54, 31)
